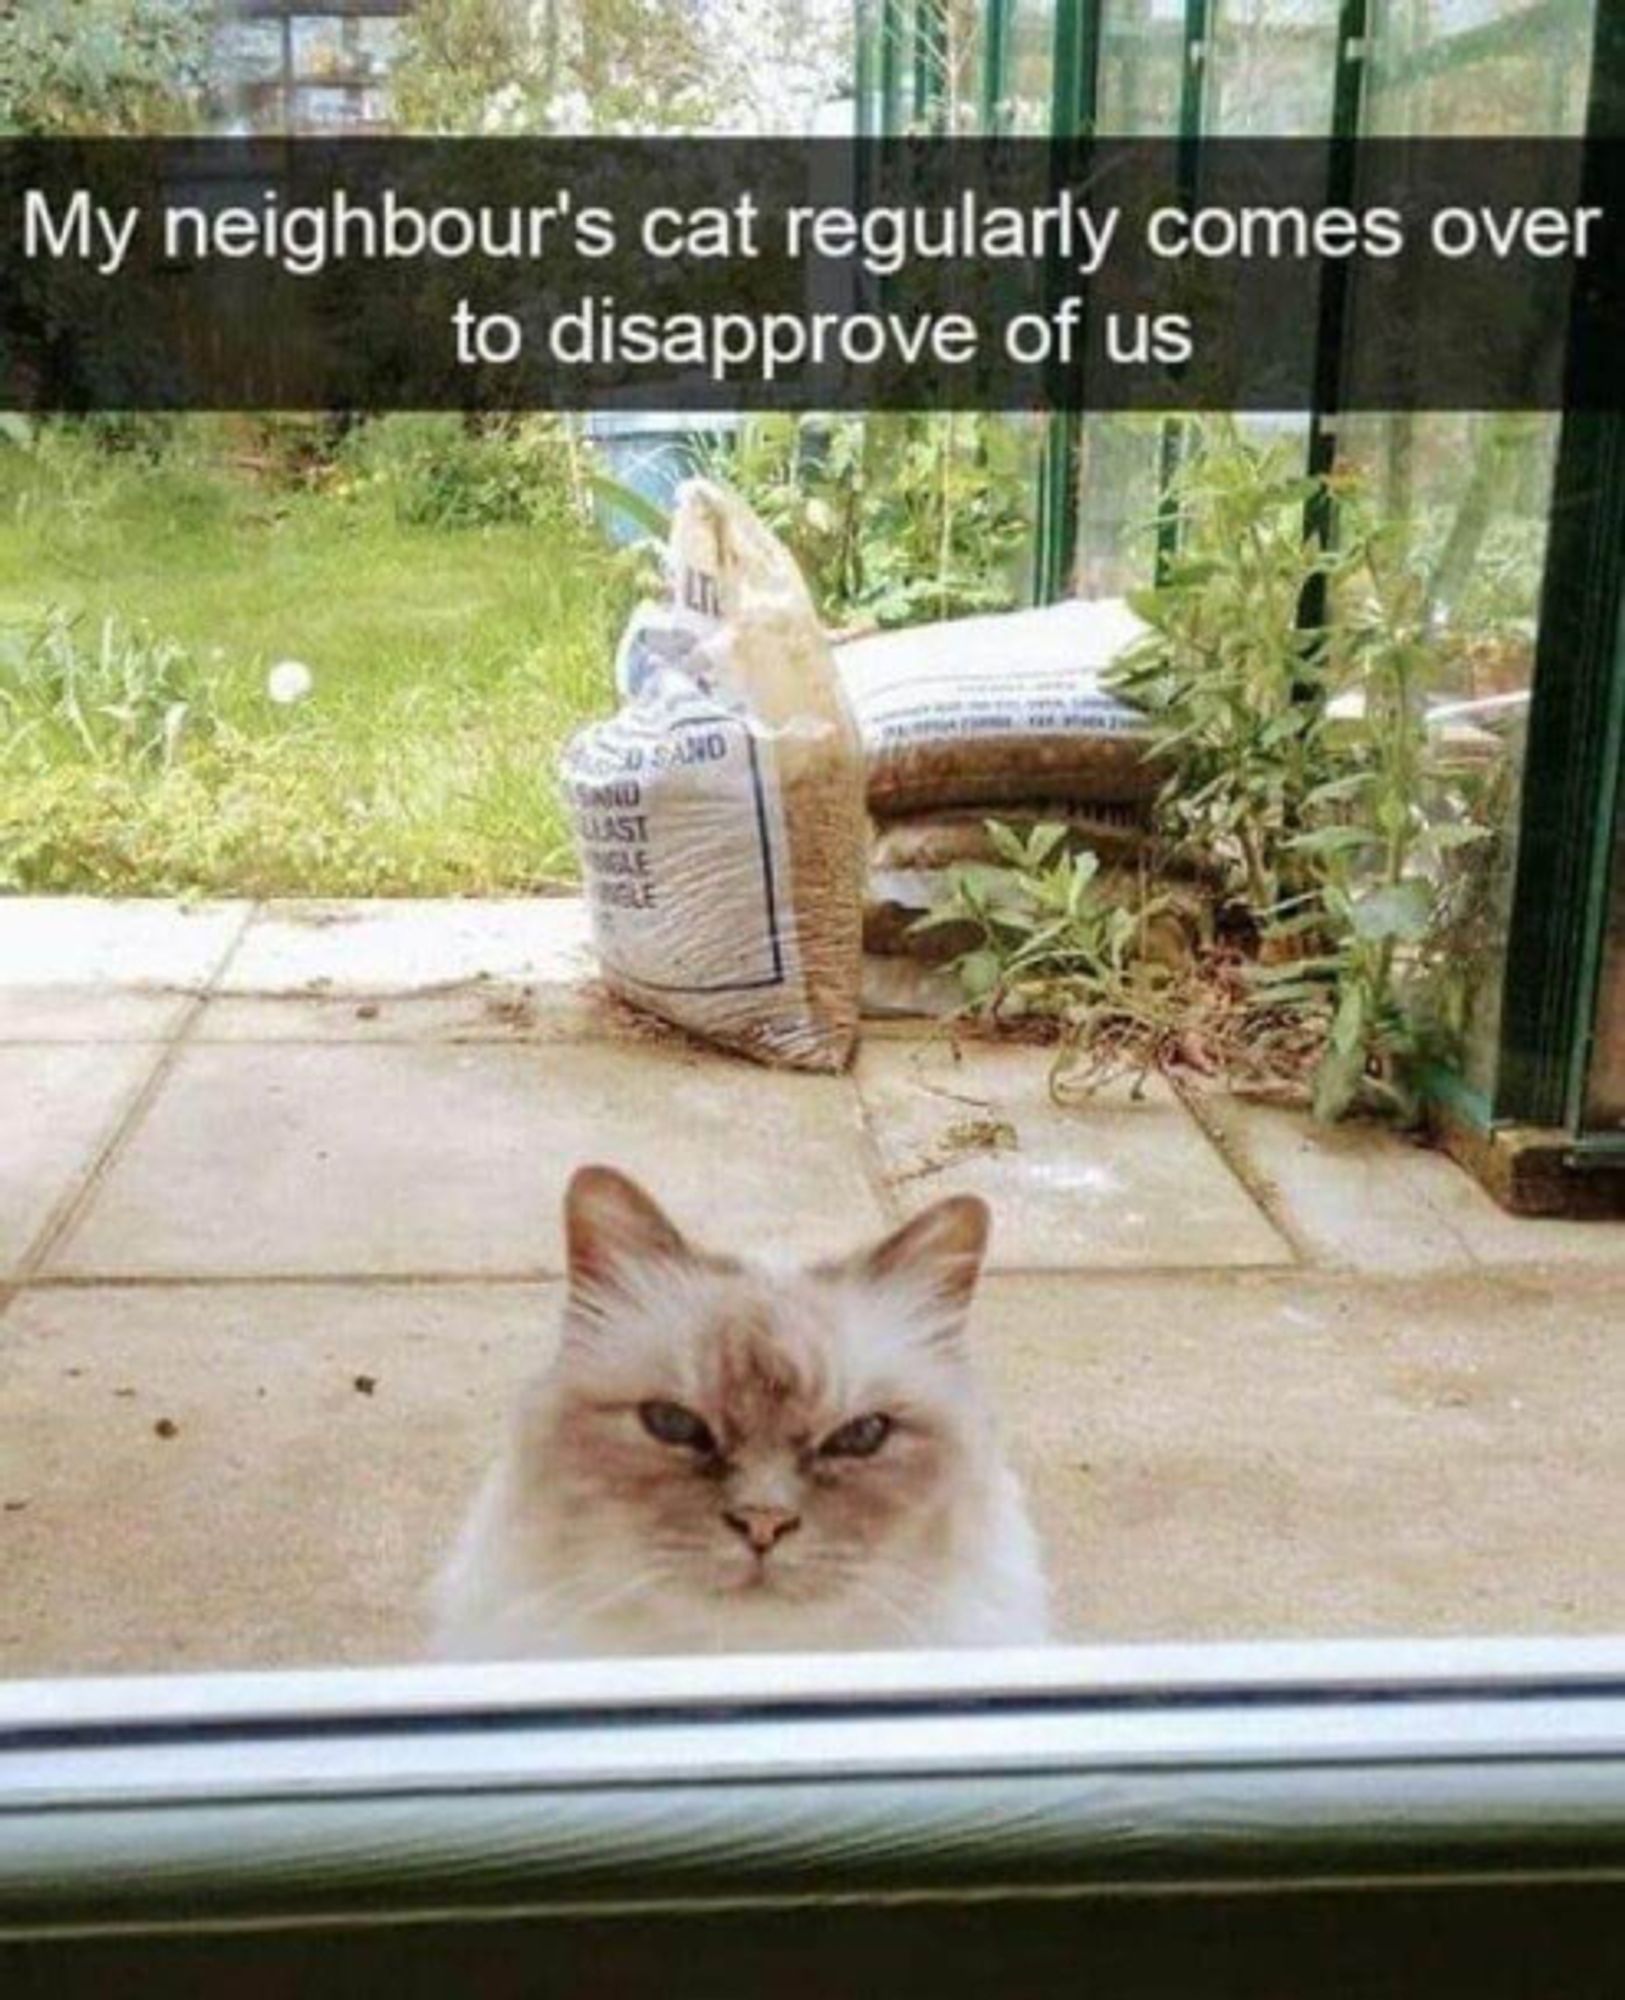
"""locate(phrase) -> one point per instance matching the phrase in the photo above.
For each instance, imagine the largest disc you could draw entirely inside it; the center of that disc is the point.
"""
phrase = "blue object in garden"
(652, 452)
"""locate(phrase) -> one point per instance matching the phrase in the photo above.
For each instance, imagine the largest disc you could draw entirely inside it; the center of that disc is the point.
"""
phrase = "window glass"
(1142, 67)
(1030, 75)
(248, 52)
(1475, 488)
(1478, 68)
(321, 47)
(283, 1218)
(1271, 68)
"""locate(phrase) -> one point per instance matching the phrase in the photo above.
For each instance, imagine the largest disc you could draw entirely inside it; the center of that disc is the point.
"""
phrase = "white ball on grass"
(289, 681)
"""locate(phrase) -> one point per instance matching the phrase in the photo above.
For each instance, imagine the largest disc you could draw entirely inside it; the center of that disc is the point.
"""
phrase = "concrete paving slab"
(285, 1513)
(486, 1012)
(89, 1014)
(256, 1476)
(1300, 1455)
(1351, 1195)
(308, 1160)
(1367, 1198)
(409, 946)
(1115, 1183)
(92, 941)
(59, 1105)
(1499, 1241)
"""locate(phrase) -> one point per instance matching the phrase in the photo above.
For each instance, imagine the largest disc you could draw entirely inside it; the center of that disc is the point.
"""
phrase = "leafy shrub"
(103, 66)
(895, 517)
(1235, 684)
(1045, 934)
(446, 471)
(1336, 821)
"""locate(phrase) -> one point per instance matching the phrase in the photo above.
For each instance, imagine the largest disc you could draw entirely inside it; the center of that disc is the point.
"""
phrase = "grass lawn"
(449, 664)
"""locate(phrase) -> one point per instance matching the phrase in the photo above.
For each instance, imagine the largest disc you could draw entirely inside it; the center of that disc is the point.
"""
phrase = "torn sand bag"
(1010, 708)
(719, 812)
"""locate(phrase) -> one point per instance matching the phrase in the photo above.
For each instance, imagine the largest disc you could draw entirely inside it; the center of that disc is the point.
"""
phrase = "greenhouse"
(1525, 511)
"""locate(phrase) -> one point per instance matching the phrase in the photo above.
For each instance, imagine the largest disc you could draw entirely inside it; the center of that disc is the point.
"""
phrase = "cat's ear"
(610, 1226)
(938, 1254)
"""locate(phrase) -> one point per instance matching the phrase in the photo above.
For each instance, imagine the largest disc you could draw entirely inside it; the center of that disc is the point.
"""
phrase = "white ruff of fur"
(591, 1537)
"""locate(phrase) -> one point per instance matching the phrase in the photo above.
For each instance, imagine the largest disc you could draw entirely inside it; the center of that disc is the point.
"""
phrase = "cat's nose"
(762, 1526)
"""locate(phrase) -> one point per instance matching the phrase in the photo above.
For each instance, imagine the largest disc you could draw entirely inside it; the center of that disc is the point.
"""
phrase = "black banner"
(720, 274)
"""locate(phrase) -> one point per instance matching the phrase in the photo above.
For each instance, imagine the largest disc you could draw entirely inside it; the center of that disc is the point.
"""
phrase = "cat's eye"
(861, 1438)
(672, 1424)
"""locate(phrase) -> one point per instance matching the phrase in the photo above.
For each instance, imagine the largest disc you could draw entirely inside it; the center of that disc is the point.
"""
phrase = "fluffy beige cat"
(725, 1456)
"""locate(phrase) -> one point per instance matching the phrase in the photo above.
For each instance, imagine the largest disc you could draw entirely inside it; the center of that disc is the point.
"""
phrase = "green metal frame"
(995, 63)
(1348, 96)
(1074, 114)
(864, 54)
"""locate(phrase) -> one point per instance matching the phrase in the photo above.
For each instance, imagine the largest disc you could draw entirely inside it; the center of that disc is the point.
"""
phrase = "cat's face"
(727, 1432)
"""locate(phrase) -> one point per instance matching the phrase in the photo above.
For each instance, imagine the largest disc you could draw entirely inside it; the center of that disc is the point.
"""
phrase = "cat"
(732, 1456)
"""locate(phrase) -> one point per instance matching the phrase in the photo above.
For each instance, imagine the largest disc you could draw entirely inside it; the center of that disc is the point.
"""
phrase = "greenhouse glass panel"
(1272, 67)
(1471, 496)
(1030, 68)
(1142, 68)
(1119, 458)
(957, 53)
(1267, 67)
(1475, 490)
(1478, 68)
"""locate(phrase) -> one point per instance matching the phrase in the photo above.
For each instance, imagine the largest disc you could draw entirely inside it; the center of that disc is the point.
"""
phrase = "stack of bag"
(733, 873)
(1001, 718)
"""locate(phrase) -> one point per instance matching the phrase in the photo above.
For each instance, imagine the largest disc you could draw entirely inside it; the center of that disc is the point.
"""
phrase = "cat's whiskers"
(568, 1602)
(869, 1590)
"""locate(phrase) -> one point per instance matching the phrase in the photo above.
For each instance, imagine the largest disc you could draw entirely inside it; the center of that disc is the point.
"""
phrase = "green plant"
(1300, 757)
(1046, 936)
(127, 698)
(447, 471)
(448, 668)
(894, 517)
(1235, 684)
(1381, 834)
(127, 67)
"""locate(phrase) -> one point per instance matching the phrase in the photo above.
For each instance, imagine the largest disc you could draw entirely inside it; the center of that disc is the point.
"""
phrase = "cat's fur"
(593, 1536)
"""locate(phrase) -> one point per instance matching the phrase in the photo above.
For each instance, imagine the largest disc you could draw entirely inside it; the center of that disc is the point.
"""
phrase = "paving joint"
(1105, 1276)
(202, 1281)
(1260, 1189)
(872, 1154)
(77, 1197)
(222, 965)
